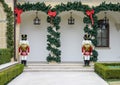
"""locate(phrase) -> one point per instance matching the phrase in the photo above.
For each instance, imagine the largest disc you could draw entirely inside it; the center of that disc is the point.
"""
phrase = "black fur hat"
(87, 36)
(24, 37)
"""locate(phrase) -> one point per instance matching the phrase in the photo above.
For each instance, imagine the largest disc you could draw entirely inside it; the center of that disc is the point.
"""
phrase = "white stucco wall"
(71, 37)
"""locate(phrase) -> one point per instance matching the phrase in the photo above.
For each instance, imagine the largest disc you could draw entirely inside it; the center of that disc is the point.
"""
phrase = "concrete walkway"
(58, 78)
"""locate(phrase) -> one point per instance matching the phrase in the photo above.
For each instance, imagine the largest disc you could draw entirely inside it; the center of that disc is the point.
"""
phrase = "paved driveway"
(58, 78)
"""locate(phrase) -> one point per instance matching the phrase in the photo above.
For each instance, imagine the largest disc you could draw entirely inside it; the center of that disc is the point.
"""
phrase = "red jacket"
(24, 50)
(87, 50)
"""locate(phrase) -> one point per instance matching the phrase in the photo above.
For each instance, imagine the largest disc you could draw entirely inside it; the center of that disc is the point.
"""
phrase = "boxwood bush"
(5, 56)
(10, 73)
(106, 72)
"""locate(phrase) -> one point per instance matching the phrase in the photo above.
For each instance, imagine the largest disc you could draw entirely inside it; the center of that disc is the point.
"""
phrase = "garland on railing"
(9, 33)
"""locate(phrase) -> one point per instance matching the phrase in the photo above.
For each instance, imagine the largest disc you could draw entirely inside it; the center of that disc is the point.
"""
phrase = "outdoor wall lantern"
(71, 20)
(105, 21)
(36, 21)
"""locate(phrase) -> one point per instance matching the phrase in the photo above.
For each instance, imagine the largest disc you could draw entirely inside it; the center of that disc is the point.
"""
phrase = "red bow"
(18, 12)
(52, 14)
(90, 13)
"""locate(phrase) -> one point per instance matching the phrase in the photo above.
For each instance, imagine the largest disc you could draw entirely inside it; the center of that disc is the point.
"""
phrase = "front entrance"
(36, 36)
(71, 37)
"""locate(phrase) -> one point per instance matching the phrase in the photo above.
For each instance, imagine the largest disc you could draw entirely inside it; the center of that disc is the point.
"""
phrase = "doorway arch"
(36, 33)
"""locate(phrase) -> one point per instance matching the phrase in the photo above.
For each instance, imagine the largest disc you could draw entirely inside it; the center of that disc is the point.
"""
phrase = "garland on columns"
(53, 37)
(91, 29)
(88, 20)
(102, 7)
(10, 28)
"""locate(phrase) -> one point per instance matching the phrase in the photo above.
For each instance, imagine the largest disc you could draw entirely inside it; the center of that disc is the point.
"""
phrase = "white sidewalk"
(58, 78)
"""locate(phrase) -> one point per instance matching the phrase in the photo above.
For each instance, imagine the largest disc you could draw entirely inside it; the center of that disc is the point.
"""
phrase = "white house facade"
(71, 36)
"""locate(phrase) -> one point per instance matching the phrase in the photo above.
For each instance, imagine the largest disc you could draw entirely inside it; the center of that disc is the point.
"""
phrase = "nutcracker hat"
(87, 36)
(24, 37)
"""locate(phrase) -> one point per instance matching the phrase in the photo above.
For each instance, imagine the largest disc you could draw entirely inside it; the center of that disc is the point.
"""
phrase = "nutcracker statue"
(24, 49)
(87, 48)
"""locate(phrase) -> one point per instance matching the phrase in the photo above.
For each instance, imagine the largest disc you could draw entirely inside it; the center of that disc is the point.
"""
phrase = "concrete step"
(61, 67)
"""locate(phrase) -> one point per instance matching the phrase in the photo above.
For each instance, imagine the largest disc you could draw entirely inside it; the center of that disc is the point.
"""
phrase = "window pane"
(99, 33)
(104, 42)
(99, 42)
(104, 33)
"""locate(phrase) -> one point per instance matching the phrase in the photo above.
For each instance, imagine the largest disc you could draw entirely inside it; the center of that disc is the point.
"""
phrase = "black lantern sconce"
(105, 21)
(71, 20)
(36, 20)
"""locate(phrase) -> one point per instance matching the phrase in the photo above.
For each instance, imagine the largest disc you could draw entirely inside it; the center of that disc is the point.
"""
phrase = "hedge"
(106, 72)
(5, 56)
(10, 73)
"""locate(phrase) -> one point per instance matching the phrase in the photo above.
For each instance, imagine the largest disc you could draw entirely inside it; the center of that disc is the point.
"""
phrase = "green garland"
(53, 39)
(34, 6)
(9, 33)
(107, 7)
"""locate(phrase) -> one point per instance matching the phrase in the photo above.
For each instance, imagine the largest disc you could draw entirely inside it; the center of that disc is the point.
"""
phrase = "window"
(103, 34)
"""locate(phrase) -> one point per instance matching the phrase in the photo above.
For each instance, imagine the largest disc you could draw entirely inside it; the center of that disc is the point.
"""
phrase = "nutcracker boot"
(85, 62)
(22, 62)
(88, 62)
(25, 63)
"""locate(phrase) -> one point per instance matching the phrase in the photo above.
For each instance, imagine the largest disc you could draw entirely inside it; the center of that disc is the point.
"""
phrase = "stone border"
(7, 65)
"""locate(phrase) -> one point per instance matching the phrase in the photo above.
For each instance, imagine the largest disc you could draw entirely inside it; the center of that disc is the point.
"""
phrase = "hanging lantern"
(71, 20)
(36, 21)
(105, 21)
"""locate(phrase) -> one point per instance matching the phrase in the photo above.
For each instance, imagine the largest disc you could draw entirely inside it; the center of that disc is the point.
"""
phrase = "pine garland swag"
(53, 39)
(10, 28)
(34, 6)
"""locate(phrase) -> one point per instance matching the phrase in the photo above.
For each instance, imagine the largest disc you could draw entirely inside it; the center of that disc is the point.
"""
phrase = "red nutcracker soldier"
(24, 49)
(87, 48)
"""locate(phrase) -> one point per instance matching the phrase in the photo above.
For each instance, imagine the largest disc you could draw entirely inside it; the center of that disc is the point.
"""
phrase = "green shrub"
(106, 72)
(5, 56)
(10, 73)
(94, 56)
